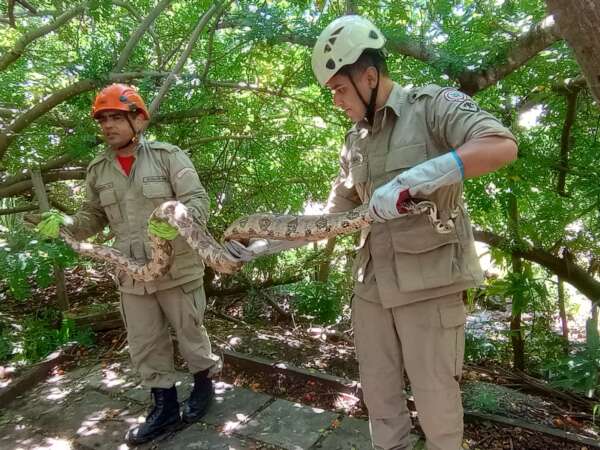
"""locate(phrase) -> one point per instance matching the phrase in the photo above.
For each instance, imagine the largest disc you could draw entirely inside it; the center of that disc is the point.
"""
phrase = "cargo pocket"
(199, 303)
(108, 200)
(423, 258)
(357, 175)
(122, 309)
(452, 319)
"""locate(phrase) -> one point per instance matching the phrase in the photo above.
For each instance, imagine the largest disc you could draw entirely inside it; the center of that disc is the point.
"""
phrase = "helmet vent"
(327, 48)
(338, 31)
(332, 40)
(373, 35)
(330, 64)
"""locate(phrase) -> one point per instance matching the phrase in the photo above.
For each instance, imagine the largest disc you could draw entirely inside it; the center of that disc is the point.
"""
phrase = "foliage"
(25, 260)
(265, 137)
(42, 335)
(481, 397)
(481, 349)
(6, 346)
(322, 301)
(581, 370)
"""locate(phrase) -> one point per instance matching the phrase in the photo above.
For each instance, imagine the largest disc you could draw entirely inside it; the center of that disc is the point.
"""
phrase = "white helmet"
(341, 43)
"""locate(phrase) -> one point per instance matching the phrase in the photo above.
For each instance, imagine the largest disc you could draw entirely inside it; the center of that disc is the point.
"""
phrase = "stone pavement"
(93, 407)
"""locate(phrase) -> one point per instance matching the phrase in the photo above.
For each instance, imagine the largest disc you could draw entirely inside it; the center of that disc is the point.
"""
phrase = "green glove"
(162, 229)
(50, 224)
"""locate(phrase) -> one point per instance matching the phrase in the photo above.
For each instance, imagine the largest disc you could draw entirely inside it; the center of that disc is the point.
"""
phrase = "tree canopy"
(231, 83)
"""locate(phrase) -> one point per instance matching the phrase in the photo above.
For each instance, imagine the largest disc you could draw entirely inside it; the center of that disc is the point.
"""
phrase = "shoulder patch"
(170, 148)
(185, 171)
(469, 105)
(465, 103)
(453, 95)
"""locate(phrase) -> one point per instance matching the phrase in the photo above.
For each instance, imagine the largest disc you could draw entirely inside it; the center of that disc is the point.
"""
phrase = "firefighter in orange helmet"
(123, 186)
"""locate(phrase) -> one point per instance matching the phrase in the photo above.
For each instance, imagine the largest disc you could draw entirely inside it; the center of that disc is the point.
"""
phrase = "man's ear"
(139, 120)
(372, 76)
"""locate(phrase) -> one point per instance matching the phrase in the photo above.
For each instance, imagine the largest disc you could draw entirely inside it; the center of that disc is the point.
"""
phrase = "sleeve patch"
(182, 172)
(452, 95)
(103, 187)
(469, 106)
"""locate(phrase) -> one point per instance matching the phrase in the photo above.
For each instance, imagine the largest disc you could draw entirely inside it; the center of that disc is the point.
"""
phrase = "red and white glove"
(387, 202)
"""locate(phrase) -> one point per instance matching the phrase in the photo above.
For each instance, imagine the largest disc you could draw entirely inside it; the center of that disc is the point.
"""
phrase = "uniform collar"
(112, 155)
(396, 99)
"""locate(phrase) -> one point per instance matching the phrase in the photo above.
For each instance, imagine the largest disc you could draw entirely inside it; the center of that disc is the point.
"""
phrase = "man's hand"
(50, 224)
(387, 201)
(423, 179)
(246, 253)
(162, 229)
(259, 247)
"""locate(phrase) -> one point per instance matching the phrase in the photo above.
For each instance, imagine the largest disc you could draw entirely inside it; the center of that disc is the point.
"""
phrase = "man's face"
(115, 127)
(345, 96)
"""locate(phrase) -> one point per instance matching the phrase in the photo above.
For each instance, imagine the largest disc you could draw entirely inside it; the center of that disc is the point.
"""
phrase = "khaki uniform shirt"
(159, 173)
(405, 260)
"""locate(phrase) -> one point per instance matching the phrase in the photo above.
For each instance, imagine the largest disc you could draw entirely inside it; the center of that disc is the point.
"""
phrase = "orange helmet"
(121, 97)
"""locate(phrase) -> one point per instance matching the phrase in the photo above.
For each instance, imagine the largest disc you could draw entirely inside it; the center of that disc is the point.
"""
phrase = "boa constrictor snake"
(266, 226)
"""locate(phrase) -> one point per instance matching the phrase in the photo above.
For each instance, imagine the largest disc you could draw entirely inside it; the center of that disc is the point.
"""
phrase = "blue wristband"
(459, 163)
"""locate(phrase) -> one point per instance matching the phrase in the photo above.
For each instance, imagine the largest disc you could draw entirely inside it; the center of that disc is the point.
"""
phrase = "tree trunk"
(516, 333)
(563, 314)
(62, 300)
(578, 22)
(325, 265)
(518, 300)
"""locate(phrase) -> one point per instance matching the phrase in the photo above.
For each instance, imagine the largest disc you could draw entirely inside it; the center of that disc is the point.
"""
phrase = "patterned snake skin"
(267, 226)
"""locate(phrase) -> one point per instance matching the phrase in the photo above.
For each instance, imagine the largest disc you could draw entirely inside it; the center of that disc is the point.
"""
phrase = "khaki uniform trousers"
(425, 339)
(147, 318)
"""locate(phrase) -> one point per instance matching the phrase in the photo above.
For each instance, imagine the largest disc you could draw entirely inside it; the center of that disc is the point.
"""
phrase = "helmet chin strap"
(370, 106)
(134, 139)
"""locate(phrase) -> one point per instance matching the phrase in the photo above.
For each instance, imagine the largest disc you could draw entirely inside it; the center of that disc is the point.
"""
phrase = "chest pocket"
(157, 191)
(108, 200)
(357, 175)
(405, 157)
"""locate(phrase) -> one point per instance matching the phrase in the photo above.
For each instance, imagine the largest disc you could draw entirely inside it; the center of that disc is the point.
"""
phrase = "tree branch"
(11, 13)
(139, 32)
(208, 139)
(525, 47)
(56, 163)
(521, 50)
(25, 4)
(15, 53)
(209, 48)
(186, 53)
(191, 113)
(49, 177)
(19, 209)
(565, 143)
(578, 23)
(26, 118)
(570, 272)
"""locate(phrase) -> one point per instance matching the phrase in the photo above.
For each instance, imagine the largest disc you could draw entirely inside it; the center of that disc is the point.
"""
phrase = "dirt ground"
(278, 336)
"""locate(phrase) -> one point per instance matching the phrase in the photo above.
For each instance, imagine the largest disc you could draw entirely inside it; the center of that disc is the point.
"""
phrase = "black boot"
(163, 417)
(200, 399)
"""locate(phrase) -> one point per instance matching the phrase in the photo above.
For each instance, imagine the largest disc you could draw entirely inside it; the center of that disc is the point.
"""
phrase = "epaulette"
(431, 90)
(170, 148)
(98, 159)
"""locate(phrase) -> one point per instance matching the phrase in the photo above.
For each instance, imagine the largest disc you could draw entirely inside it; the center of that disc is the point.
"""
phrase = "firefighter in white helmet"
(407, 308)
